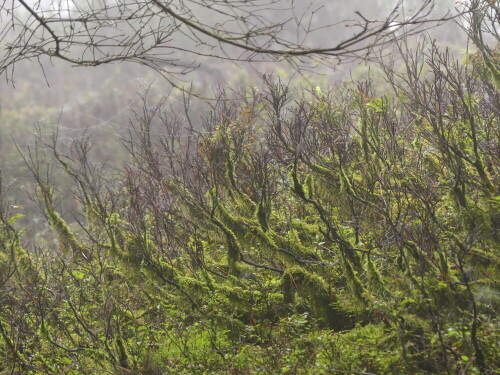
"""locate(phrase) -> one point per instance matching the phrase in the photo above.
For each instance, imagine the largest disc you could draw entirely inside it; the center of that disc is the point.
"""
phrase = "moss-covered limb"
(249, 204)
(435, 283)
(66, 237)
(195, 209)
(324, 304)
(446, 274)
(233, 246)
(201, 262)
(12, 348)
(135, 255)
(458, 192)
(300, 260)
(310, 187)
(59, 225)
(13, 257)
(353, 282)
(345, 183)
(326, 173)
(347, 250)
(108, 222)
(368, 130)
(494, 68)
(375, 281)
(294, 248)
(307, 232)
(405, 266)
(243, 200)
(360, 193)
(10, 237)
(456, 155)
(488, 187)
(240, 300)
(481, 258)
(81, 321)
(415, 252)
(263, 266)
(248, 231)
(124, 360)
(199, 288)
(241, 226)
(138, 262)
(48, 336)
(234, 252)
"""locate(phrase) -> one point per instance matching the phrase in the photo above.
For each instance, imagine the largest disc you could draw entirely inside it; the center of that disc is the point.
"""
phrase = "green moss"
(309, 182)
(345, 184)
(374, 279)
(11, 347)
(66, 237)
(324, 303)
(247, 230)
(194, 286)
(353, 282)
(326, 173)
(123, 357)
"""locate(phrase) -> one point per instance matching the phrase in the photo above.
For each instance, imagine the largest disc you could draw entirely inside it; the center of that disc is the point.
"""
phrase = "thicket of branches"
(336, 231)
(340, 232)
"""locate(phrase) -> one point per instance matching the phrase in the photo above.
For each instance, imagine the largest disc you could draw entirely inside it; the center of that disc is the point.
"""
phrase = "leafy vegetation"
(341, 232)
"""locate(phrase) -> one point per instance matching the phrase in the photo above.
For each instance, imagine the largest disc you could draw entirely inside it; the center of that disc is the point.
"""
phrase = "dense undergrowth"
(340, 233)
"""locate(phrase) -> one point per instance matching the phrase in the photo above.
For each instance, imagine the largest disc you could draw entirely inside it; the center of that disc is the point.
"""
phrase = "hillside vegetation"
(339, 232)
